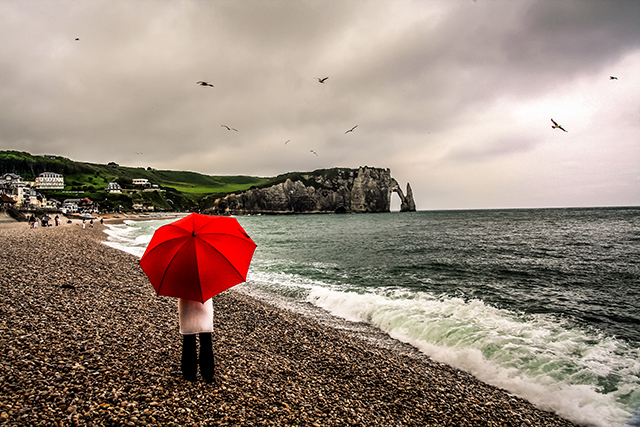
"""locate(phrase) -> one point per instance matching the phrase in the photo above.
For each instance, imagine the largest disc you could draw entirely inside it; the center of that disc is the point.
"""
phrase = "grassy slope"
(99, 175)
(184, 189)
(93, 178)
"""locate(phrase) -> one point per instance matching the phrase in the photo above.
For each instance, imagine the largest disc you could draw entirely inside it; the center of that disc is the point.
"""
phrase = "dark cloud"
(570, 39)
(438, 88)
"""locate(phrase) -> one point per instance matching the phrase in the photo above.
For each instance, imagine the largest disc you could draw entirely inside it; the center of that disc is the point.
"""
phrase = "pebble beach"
(86, 341)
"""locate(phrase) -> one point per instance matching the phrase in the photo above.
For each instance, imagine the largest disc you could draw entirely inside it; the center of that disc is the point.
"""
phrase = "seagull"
(556, 126)
(613, 78)
(322, 80)
(77, 39)
(228, 128)
(314, 152)
(201, 83)
(287, 141)
(351, 130)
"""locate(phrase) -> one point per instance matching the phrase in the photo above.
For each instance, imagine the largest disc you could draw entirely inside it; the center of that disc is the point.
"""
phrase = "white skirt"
(195, 316)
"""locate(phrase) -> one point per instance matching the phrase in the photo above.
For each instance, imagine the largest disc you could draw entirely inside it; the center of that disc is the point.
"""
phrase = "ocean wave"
(581, 376)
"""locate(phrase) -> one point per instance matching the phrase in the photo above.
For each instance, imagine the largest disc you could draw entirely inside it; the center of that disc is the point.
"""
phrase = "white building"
(114, 187)
(49, 181)
(70, 205)
(142, 207)
(28, 197)
(141, 181)
(12, 180)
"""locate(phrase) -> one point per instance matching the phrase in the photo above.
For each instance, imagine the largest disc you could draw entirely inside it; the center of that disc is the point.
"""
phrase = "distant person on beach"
(57, 220)
(91, 223)
(101, 221)
(196, 318)
(84, 223)
(31, 221)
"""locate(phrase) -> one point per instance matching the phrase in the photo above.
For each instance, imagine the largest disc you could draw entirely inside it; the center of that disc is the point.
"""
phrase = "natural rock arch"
(338, 190)
(407, 204)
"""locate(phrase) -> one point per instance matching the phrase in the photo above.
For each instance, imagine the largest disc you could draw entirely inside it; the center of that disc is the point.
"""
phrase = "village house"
(9, 183)
(20, 194)
(114, 187)
(14, 187)
(77, 205)
(143, 182)
(52, 204)
(142, 207)
(154, 187)
(49, 181)
(11, 180)
(29, 198)
(70, 205)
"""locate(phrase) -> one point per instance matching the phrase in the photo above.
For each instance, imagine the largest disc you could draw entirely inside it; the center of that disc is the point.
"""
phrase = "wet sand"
(85, 341)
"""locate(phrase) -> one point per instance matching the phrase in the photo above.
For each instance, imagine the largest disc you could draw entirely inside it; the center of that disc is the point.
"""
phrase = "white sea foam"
(534, 357)
(133, 236)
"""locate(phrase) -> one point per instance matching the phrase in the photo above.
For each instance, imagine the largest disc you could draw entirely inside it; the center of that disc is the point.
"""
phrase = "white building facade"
(12, 180)
(50, 181)
(114, 187)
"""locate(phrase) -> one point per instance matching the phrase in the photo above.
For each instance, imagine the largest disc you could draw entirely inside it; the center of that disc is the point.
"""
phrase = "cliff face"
(323, 191)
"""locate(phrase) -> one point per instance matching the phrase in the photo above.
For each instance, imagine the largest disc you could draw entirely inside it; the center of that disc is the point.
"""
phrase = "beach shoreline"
(121, 218)
(87, 342)
(7, 221)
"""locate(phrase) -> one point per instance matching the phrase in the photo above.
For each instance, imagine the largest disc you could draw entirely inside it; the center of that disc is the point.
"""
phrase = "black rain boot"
(189, 362)
(207, 364)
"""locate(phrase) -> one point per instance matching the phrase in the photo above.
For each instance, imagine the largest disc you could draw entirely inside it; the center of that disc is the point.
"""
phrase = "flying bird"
(201, 83)
(613, 78)
(314, 152)
(287, 141)
(351, 130)
(77, 39)
(556, 125)
(322, 80)
(228, 128)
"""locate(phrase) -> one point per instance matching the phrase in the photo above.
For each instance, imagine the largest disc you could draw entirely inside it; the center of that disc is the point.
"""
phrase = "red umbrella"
(198, 256)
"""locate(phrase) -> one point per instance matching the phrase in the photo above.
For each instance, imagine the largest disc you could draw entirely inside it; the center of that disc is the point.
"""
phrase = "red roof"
(6, 199)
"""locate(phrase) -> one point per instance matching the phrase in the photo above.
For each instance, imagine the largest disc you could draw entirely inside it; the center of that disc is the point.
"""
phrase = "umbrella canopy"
(198, 256)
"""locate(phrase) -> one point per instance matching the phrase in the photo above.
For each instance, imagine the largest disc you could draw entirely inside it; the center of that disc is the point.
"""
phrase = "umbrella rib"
(169, 264)
(164, 274)
(198, 275)
(213, 247)
(228, 235)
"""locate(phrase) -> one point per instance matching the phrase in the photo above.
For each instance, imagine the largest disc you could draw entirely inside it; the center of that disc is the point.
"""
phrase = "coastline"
(88, 342)
(121, 218)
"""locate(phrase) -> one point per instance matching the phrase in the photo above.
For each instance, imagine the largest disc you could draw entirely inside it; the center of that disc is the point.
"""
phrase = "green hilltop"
(177, 190)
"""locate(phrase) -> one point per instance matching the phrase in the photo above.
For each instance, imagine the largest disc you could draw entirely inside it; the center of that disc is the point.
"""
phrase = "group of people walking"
(34, 221)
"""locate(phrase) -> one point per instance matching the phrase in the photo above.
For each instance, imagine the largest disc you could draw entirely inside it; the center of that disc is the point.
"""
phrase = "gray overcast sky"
(456, 97)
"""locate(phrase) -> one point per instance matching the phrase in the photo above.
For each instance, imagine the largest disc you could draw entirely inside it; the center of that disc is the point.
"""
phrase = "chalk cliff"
(338, 190)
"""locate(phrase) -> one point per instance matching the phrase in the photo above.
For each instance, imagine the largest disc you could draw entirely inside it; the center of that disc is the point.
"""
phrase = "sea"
(544, 303)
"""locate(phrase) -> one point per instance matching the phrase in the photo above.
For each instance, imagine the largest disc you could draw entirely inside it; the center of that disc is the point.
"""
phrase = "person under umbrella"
(194, 259)
(196, 318)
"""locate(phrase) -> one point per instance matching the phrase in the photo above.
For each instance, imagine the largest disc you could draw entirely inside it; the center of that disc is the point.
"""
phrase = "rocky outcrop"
(407, 203)
(337, 190)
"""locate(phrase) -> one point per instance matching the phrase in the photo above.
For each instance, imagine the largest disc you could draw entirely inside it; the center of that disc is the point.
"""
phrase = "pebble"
(85, 341)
